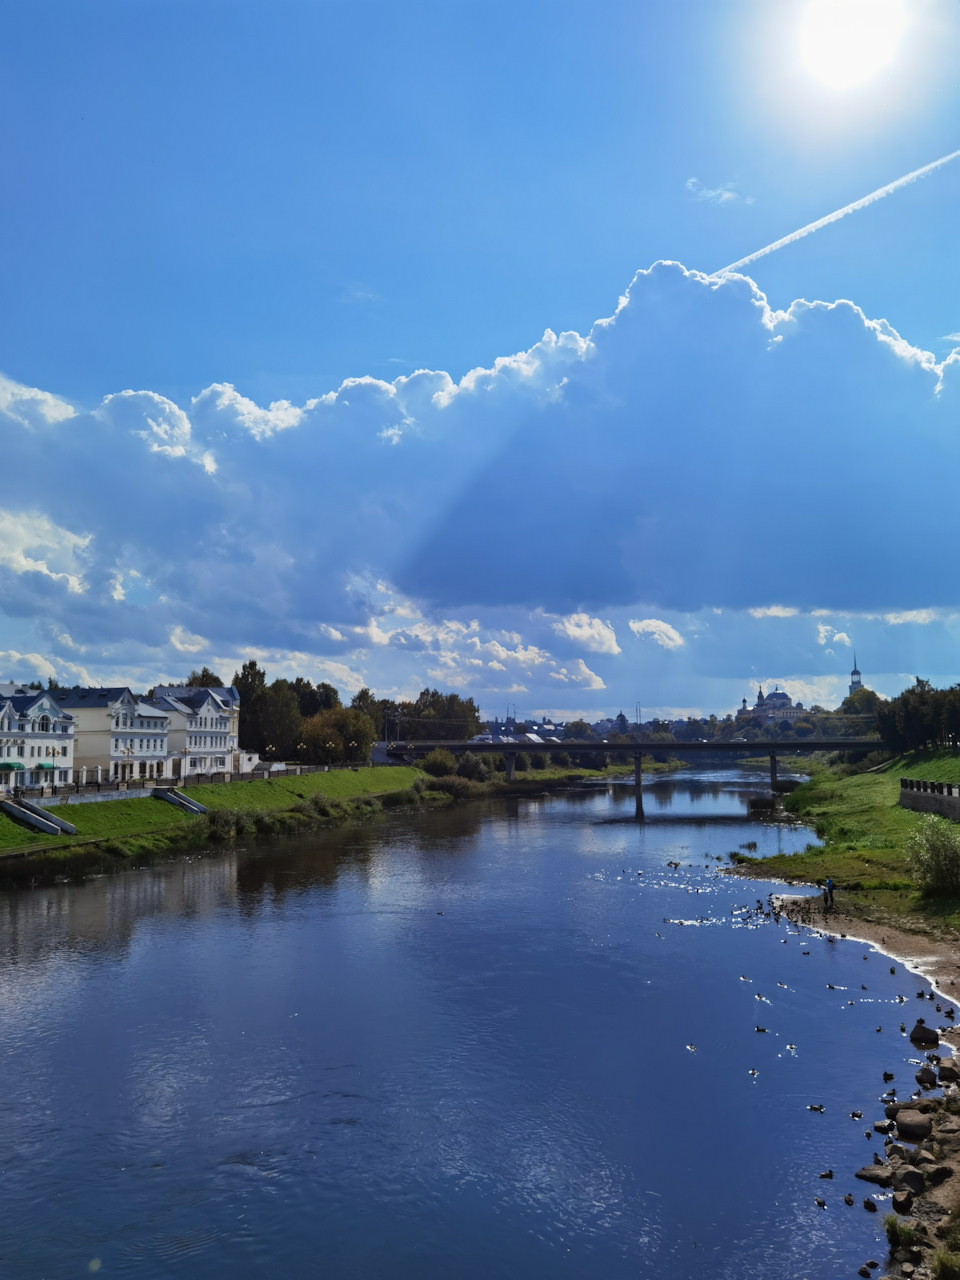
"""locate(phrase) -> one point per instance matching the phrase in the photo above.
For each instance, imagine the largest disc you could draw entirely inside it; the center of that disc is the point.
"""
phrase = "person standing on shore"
(828, 892)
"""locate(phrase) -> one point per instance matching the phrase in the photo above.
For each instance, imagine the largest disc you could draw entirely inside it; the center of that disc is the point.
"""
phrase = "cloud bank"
(697, 451)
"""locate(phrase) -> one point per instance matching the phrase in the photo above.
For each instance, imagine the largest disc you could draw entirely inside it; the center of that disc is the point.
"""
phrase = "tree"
(862, 702)
(472, 766)
(203, 679)
(328, 696)
(440, 763)
(577, 729)
(382, 711)
(443, 717)
(281, 720)
(339, 733)
(251, 684)
(933, 851)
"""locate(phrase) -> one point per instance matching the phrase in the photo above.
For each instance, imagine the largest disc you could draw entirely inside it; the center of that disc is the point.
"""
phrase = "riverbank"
(120, 834)
(864, 834)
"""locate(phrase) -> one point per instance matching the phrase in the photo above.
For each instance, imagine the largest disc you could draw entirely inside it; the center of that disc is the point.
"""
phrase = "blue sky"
(234, 233)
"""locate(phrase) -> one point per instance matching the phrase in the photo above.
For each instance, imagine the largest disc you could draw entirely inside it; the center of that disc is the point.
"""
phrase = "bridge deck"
(576, 745)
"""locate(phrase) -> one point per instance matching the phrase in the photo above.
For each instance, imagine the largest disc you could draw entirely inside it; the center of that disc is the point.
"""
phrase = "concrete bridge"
(411, 751)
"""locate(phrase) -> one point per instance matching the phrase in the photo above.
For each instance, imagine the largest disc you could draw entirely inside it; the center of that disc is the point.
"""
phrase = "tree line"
(920, 717)
(299, 721)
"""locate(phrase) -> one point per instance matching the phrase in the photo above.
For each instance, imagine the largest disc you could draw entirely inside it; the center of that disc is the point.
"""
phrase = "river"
(472, 1043)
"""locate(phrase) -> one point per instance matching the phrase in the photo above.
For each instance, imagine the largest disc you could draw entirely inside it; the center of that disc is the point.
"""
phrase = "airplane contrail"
(840, 213)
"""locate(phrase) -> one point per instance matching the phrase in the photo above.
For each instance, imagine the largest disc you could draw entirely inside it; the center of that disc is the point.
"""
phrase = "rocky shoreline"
(921, 1159)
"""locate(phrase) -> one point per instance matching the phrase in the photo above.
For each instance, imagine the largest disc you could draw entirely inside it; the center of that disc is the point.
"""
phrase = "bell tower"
(855, 681)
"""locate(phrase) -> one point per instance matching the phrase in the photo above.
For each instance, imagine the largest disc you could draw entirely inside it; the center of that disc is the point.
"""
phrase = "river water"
(450, 1045)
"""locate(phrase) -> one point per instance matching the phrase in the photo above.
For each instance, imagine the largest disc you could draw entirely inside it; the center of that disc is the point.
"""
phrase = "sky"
(390, 345)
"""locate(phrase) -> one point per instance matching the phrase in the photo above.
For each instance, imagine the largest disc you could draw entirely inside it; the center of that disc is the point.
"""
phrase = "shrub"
(946, 1265)
(222, 824)
(523, 762)
(540, 760)
(561, 758)
(459, 788)
(933, 852)
(440, 763)
(418, 785)
(899, 1233)
(473, 767)
(397, 799)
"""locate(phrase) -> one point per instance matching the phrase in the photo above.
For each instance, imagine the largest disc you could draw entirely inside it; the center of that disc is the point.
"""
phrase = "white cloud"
(597, 636)
(726, 193)
(31, 543)
(158, 421)
(919, 617)
(184, 642)
(775, 611)
(666, 636)
(841, 637)
(31, 407)
(583, 675)
(222, 402)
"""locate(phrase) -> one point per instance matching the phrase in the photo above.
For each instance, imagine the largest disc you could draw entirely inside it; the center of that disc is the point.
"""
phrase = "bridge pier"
(638, 782)
(773, 770)
(510, 760)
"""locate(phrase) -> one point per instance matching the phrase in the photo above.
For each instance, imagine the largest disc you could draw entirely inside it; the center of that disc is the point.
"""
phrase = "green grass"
(115, 832)
(120, 819)
(864, 833)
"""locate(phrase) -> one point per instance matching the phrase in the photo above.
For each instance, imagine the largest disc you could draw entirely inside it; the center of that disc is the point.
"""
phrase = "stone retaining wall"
(931, 797)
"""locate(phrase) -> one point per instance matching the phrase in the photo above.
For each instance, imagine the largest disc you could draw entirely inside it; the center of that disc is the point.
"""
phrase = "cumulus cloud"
(919, 617)
(184, 642)
(666, 636)
(597, 636)
(774, 611)
(30, 407)
(31, 543)
(222, 404)
(277, 527)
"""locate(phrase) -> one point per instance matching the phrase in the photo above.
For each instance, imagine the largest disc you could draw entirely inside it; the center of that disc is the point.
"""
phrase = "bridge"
(410, 751)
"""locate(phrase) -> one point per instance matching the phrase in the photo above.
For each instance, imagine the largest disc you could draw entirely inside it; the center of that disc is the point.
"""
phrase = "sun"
(845, 42)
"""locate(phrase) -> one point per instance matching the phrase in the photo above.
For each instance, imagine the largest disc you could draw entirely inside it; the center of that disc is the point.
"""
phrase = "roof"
(166, 704)
(23, 704)
(193, 695)
(148, 707)
(80, 697)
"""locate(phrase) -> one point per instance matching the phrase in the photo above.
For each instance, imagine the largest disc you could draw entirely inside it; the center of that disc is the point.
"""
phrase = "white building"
(37, 744)
(119, 737)
(204, 730)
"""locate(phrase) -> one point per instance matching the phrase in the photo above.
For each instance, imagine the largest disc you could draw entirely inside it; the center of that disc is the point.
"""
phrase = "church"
(775, 706)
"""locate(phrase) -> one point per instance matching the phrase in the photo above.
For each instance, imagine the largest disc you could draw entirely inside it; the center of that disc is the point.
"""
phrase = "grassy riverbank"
(122, 833)
(865, 833)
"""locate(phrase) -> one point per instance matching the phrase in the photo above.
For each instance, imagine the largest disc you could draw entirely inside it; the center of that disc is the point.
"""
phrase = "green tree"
(440, 717)
(250, 683)
(933, 852)
(440, 763)
(281, 721)
(328, 696)
(337, 734)
(203, 679)
(577, 729)
(862, 702)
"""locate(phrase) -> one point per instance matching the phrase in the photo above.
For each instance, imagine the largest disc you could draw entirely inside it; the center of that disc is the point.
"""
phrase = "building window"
(193, 763)
(63, 775)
